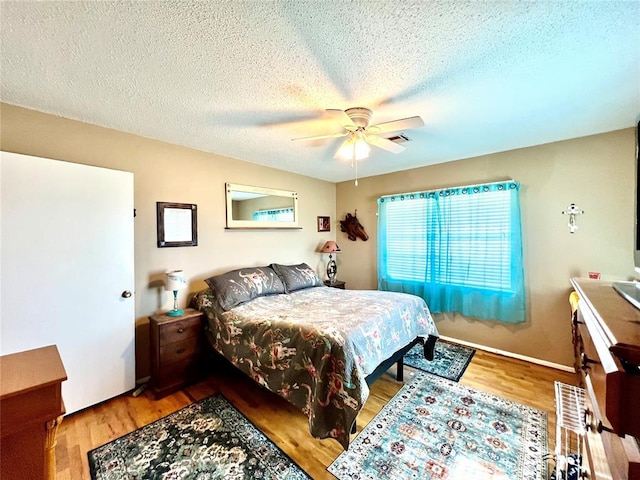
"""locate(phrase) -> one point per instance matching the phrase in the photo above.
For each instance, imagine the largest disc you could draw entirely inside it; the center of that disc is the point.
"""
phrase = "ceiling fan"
(360, 134)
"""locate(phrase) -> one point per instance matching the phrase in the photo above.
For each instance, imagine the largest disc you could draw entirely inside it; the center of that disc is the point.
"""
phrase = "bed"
(318, 347)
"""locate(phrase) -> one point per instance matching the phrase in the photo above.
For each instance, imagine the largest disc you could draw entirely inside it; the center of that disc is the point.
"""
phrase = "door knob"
(126, 294)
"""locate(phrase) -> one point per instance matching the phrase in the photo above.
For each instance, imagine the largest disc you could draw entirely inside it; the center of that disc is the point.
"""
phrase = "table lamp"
(332, 269)
(175, 281)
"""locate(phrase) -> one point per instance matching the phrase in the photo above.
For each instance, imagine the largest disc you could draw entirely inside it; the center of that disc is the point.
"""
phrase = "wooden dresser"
(31, 409)
(607, 345)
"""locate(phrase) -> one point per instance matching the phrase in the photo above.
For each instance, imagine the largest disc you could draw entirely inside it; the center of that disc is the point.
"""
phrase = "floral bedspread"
(314, 347)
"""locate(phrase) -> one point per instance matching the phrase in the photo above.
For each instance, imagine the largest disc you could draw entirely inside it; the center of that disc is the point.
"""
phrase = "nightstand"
(336, 284)
(176, 351)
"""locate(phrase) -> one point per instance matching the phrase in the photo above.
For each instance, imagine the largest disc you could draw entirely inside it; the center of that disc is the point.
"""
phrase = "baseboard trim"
(504, 353)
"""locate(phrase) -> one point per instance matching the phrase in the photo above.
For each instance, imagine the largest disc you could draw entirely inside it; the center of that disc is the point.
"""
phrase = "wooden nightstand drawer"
(179, 330)
(177, 373)
(176, 351)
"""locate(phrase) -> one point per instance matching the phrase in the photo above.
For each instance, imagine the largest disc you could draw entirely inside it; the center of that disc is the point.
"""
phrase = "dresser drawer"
(594, 376)
(178, 351)
(177, 331)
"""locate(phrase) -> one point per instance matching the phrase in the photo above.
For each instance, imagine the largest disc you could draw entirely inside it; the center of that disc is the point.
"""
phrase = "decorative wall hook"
(573, 211)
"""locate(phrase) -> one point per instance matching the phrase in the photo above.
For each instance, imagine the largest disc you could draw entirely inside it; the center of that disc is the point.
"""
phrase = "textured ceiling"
(242, 78)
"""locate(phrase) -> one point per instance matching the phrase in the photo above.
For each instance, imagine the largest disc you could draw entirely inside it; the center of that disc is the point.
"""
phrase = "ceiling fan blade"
(384, 143)
(342, 118)
(395, 125)
(322, 137)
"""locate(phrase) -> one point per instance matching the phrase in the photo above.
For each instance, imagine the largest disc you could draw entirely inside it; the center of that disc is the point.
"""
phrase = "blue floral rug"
(449, 360)
(437, 429)
(209, 439)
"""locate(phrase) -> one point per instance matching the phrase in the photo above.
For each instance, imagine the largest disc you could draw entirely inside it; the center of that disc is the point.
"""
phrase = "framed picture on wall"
(177, 224)
(324, 224)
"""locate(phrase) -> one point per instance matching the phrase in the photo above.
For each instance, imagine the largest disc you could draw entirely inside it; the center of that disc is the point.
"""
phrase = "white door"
(66, 243)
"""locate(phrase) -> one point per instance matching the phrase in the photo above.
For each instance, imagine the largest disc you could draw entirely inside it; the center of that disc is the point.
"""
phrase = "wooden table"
(31, 408)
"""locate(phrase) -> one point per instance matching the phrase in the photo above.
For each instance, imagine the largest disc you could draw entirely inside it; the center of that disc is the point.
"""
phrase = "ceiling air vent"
(400, 138)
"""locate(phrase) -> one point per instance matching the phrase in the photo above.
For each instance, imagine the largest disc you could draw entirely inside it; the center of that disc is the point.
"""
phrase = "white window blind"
(460, 249)
(455, 240)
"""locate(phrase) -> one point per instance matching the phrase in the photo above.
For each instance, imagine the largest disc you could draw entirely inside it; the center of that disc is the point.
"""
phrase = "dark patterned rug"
(449, 360)
(438, 429)
(209, 439)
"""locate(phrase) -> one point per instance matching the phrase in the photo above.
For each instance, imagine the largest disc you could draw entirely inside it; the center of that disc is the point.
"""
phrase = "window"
(275, 215)
(460, 249)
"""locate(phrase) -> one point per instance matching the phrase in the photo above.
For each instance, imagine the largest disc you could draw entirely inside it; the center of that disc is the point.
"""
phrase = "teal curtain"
(460, 249)
(275, 215)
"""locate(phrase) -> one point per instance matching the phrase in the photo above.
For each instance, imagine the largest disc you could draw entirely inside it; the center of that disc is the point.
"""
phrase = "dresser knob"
(126, 294)
(587, 420)
(181, 330)
(586, 361)
(601, 428)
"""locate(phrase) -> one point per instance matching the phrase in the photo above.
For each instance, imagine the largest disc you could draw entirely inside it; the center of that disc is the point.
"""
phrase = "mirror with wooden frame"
(260, 207)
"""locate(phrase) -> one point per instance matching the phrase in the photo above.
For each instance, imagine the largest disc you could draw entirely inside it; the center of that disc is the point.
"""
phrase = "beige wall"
(597, 173)
(169, 173)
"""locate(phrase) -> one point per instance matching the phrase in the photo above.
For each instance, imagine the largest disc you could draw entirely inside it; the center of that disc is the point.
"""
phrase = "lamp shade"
(175, 280)
(354, 149)
(330, 247)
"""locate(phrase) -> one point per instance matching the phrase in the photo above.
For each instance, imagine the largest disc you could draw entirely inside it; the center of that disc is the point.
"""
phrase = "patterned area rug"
(209, 439)
(449, 360)
(437, 429)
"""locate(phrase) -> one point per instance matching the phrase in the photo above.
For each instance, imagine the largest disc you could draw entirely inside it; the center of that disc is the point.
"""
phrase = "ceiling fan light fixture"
(354, 150)
(355, 122)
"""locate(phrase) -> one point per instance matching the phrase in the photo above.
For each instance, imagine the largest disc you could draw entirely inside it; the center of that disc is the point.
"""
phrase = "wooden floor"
(287, 427)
